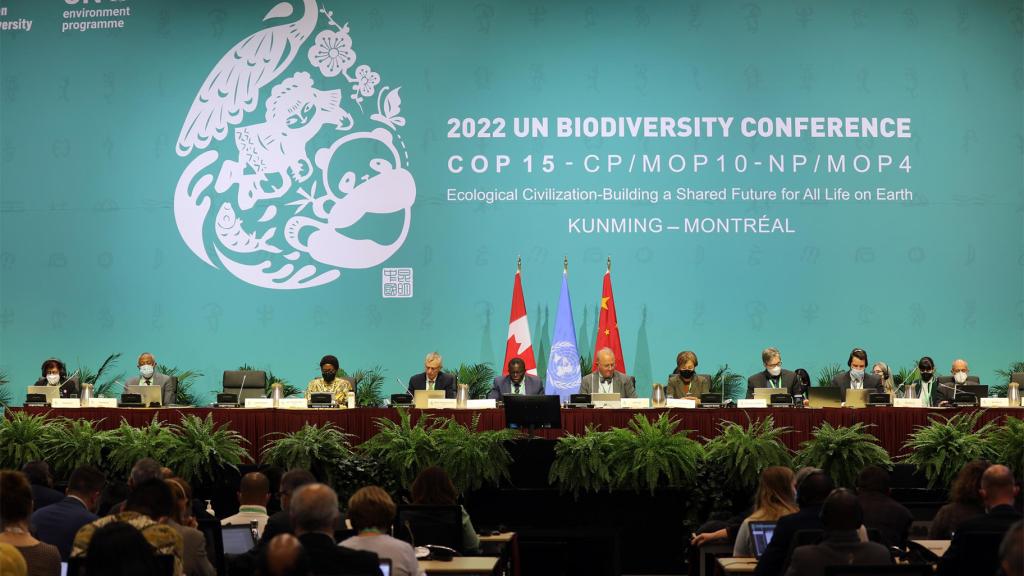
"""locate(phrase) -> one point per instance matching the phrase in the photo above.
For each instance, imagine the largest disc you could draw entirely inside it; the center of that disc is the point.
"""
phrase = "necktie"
(148, 382)
(515, 389)
(430, 385)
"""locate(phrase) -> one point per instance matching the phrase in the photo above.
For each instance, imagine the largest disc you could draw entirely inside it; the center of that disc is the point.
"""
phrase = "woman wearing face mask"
(881, 369)
(56, 374)
(927, 386)
(684, 382)
(329, 381)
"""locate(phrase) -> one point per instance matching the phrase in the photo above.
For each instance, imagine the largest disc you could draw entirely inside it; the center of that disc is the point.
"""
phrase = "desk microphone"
(954, 389)
(242, 387)
(62, 384)
(400, 386)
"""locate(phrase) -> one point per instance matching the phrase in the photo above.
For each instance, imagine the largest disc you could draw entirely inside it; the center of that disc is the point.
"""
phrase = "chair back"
(422, 525)
(211, 529)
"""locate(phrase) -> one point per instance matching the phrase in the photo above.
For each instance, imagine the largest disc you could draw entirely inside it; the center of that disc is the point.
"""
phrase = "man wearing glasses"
(773, 375)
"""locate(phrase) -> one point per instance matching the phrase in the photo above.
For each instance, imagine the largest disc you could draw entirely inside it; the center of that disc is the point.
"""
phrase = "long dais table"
(891, 426)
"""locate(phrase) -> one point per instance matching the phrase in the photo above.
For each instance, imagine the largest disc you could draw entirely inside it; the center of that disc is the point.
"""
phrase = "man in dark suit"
(998, 492)
(433, 377)
(148, 376)
(606, 379)
(39, 476)
(856, 378)
(280, 522)
(811, 492)
(881, 511)
(773, 375)
(1011, 551)
(314, 513)
(517, 381)
(57, 523)
(841, 517)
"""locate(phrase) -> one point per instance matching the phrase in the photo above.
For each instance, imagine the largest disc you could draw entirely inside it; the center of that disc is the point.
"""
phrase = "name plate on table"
(995, 402)
(259, 402)
(441, 402)
(291, 403)
(907, 403)
(66, 403)
(482, 404)
(752, 403)
(103, 403)
(635, 403)
(681, 403)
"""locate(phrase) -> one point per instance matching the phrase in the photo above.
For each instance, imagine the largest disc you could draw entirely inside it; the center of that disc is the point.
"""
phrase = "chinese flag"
(519, 344)
(608, 326)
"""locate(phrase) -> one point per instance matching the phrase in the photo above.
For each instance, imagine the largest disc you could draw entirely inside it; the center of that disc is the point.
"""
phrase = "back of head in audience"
(433, 487)
(292, 481)
(284, 556)
(813, 489)
(180, 509)
(1011, 551)
(117, 548)
(371, 508)
(15, 498)
(151, 498)
(254, 490)
(997, 487)
(145, 469)
(841, 511)
(314, 508)
(12, 563)
(873, 479)
(38, 473)
(775, 496)
(966, 488)
(87, 483)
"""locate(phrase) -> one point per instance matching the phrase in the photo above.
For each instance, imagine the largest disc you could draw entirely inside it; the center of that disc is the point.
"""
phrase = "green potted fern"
(22, 438)
(728, 383)
(827, 373)
(69, 444)
(186, 394)
(842, 452)
(129, 444)
(1007, 445)
(1000, 388)
(649, 455)
(6, 397)
(369, 386)
(473, 457)
(200, 449)
(582, 462)
(403, 447)
(318, 448)
(104, 386)
(478, 378)
(940, 449)
(742, 452)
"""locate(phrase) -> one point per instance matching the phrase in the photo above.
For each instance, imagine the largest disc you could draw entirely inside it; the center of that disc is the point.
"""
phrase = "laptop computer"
(609, 400)
(421, 398)
(761, 534)
(857, 398)
(766, 393)
(824, 397)
(385, 567)
(238, 538)
(50, 392)
(149, 394)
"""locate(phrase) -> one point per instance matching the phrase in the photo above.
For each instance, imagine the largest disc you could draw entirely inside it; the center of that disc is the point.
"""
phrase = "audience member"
(283, 556)
(194, 559)
(253, 495)
(433, 487)
(143, 470)
(149, 506)
(998, 493)
(811, 491)
(118, 549)
(314, 513)
(371, 512)
(42, 559)
(1011, 550)
(881, 511)
(775, 498)
(964, 501)
(57, 523)
(11, 561)
(841, 516)
(280, 522)
(39, 476)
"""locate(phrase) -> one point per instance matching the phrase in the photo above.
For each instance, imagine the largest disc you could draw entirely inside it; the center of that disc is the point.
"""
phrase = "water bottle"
(461, 395)
(1013, 393)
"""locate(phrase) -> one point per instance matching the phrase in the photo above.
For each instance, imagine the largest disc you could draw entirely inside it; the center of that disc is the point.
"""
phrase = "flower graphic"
(367, 80)
(332, 52)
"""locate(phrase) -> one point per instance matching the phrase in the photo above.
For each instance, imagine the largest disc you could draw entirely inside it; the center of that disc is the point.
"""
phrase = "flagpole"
(609, 264)
(565, 265)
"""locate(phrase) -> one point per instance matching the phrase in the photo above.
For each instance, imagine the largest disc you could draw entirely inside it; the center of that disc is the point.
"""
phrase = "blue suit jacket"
(57, 523)
(503, 385)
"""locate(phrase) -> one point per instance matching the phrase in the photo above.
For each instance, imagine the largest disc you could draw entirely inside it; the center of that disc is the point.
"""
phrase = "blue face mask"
(146, 370)
(856, 373)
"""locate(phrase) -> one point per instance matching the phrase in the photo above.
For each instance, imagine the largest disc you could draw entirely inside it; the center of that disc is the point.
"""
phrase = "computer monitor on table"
(533, 411)
(761, 534)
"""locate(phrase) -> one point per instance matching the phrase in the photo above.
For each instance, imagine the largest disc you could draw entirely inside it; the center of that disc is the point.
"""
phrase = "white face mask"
(856, 374)
(775, 370)
(146, 370)
(960, 377)
(53, 379)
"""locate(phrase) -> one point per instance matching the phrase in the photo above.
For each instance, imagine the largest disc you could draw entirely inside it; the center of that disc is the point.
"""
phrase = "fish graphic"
(234, 238)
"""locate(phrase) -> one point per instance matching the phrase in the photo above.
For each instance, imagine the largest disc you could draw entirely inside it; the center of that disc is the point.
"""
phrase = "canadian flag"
(519, 344)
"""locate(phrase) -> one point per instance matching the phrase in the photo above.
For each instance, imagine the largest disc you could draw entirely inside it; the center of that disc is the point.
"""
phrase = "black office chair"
(881, 570)
(165, 563)
(245, 384)
(426, 525)
(211, 529)
(979, 552)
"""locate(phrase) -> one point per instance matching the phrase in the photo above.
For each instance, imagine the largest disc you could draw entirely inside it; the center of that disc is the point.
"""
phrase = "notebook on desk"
(761, 534)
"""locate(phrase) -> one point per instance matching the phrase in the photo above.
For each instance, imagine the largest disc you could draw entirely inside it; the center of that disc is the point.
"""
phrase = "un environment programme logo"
(564, 367)
(272, 215)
